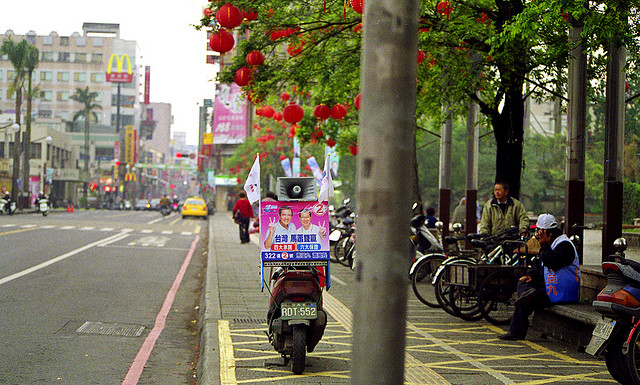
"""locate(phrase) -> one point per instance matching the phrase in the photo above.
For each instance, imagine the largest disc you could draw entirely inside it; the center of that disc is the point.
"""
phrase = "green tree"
(24, 58)
(87, 99)
(485, 51)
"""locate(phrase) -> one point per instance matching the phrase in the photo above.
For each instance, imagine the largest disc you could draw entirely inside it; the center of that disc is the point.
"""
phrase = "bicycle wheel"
(442, 287)
(422, 279)
(464, 302)
(496, 296)
(341, 249)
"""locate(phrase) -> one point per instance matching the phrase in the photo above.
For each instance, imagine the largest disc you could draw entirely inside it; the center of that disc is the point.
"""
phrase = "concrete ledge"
(569, 323)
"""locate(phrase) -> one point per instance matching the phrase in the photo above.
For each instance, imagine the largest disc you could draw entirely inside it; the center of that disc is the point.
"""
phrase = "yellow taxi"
(194, 207)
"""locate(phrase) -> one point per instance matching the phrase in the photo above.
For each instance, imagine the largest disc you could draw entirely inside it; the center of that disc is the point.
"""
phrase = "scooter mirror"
(620, 244)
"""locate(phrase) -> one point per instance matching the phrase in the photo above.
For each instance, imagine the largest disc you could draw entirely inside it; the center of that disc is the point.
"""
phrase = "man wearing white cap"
(556, 280)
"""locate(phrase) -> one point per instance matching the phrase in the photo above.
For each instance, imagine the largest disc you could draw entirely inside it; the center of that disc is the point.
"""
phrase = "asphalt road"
(99, 297)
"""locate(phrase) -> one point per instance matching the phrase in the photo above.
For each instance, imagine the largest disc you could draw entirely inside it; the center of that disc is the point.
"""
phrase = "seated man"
(555, 279)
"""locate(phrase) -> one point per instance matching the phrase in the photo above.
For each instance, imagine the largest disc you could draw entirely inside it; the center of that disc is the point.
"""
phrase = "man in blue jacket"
(555, 279)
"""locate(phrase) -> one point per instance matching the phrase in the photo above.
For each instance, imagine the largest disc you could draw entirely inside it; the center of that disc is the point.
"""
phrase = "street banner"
(286, 166)
(252, 185)
(229, 115)
(315, 169)
(294, 234)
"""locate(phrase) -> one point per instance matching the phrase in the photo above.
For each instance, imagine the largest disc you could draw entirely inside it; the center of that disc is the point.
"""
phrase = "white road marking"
(61, 257)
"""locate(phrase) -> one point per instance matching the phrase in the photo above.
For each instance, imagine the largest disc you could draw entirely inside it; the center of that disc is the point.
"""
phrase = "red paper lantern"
(421, 56)
(229, 16)
(338, 111)
(268, 112)
(357, 5)
(285, 96)
(207, 12)
(255, 58)
(331, 142)
(283, 157)
(243, 76)
(353, 149)
(444, 8)
(222, 41)
(322, 112)
(357, 101)
(293, 113)
(250, 14)
(277, 116)
(295, 50)
(239, 180)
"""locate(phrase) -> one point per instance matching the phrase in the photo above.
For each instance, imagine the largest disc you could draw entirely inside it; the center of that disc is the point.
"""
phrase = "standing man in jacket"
(502, 212)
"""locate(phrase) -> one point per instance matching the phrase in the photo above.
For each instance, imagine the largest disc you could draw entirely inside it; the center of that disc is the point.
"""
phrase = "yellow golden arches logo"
(119, 76)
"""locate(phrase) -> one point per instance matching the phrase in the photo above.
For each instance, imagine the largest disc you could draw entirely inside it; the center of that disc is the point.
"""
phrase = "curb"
(210, 313)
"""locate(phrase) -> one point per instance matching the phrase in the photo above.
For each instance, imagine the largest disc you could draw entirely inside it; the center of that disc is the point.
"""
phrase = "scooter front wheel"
(298, 356)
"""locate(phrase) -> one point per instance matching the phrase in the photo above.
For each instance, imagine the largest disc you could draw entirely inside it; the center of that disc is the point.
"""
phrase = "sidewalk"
(231, 288)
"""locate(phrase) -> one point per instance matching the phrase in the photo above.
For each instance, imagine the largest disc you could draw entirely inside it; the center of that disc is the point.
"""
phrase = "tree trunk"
(508, 131)
(16, 152)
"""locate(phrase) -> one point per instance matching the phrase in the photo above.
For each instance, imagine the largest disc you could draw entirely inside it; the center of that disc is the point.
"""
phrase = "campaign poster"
(294, 232)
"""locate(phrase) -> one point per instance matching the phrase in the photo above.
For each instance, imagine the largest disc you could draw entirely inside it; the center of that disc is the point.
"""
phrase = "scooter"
(43, 206)
(296, 318)
(7, 206)
(617, 334)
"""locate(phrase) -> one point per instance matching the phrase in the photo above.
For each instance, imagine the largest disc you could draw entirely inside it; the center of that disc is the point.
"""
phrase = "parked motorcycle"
(296, 318)
(7, 206)
(617, 335)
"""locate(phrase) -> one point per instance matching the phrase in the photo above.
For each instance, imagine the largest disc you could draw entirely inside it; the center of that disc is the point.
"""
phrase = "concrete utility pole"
(387, 123)
(444, 180)
(471, 180)
(613, 149)
(576, 134)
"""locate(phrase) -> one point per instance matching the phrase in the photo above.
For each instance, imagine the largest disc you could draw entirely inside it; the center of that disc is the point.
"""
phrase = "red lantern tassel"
(325, 6)
(344, 11)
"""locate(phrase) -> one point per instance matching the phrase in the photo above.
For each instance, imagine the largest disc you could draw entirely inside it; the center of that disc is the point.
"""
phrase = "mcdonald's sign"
(119, 76)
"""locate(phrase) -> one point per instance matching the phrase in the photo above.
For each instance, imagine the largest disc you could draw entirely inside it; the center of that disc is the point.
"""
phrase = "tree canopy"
(496, 53)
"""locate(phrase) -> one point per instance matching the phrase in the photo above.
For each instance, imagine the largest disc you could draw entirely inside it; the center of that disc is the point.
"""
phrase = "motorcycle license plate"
(600, 335)
(299, 310)
(43, 206)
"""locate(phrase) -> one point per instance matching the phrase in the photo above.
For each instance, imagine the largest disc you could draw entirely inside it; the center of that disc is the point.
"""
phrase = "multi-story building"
(67, 63)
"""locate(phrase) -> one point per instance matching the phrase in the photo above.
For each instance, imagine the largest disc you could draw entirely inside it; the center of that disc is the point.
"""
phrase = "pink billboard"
(229, 115)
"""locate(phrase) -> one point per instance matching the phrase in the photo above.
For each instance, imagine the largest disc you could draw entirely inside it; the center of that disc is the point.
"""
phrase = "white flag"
(252, 185)
(326, 186)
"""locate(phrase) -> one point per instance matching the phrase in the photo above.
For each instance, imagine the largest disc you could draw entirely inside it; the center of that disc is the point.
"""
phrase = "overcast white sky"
(166, 40)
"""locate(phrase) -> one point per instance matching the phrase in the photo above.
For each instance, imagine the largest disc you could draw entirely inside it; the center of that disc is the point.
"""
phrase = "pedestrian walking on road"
(554, 279)
(242, 214)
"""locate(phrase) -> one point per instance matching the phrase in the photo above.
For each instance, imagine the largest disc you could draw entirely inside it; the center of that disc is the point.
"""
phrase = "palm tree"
(87, 99)
(30, 64)
(24, 58)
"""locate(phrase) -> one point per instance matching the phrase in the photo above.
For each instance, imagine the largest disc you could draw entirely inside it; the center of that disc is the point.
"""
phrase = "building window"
(45, 114)
(98, 98)
(80, 57)
(47, 40)
(63, 96)
(64, 57)
(46, 56)
(80, 77)
(125, 120)
(46, 76)
(31, 38)
(46, 96)
(11, 75)
(64, 41)
(97, 77)
(96, 58)
(97, 42)
(81, 41)
(63, 76)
